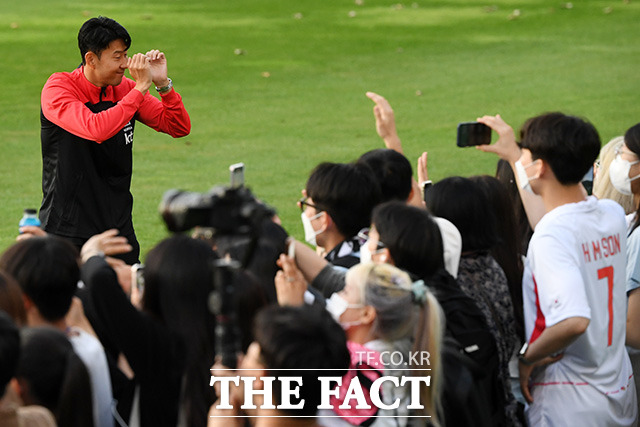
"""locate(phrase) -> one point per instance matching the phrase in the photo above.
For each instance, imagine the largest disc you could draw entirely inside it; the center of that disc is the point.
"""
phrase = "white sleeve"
(559, 280)
(633, 260)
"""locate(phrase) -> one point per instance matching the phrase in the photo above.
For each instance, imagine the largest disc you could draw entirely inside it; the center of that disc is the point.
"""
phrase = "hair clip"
(419, 290)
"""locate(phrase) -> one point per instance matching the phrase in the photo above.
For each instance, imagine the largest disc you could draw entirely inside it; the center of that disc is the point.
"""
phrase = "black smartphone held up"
(237, 175)
(473, 133)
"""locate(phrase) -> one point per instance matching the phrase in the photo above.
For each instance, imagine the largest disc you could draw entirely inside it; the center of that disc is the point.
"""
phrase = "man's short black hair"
(393, 172)
(348, 192)
(9, 350)
(96, 34)
(302, 338)
(568, 144)
(46, 268)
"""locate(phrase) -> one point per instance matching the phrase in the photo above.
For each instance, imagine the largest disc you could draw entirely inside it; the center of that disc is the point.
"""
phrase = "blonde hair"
(391, 292)
(602, 187)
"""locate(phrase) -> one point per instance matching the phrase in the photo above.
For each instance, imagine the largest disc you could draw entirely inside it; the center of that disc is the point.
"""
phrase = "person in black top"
(87, 122)
(409, 238)
(169, 344)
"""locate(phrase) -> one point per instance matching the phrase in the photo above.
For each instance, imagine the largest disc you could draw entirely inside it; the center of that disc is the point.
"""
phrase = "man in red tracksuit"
(87, 122)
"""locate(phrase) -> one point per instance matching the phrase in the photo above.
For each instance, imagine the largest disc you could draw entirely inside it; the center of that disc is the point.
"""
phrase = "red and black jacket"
(87, 138)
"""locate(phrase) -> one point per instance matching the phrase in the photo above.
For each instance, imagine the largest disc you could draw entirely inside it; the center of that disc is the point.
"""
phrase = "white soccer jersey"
(576, 267)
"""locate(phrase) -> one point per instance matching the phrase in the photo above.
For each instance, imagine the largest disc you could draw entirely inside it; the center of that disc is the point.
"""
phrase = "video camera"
(233, 216)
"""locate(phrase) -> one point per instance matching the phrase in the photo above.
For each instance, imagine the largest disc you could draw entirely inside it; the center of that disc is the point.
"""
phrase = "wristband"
(521, 357)
(167, 88)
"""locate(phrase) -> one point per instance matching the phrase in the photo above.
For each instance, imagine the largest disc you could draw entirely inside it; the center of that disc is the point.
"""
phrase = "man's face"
(316, 216)
(109, 68)
(634, 171)
(532, 168)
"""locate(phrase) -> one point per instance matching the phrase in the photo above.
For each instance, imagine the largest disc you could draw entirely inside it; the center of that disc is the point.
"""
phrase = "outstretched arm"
(507, 148)
(385, 122)
(386, 128)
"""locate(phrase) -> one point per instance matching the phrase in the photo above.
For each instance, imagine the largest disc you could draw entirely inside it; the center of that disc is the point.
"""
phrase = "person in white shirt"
(574, 369)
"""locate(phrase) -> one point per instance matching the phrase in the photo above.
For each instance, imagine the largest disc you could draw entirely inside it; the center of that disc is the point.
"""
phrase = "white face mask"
(619, 175)
(336, 305)
(365, 253)
(309, 233)
(523, 178)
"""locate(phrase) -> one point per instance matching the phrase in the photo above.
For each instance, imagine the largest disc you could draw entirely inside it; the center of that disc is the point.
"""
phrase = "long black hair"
(412, 237)
(178, 280)
(507, 252)
(463, 202)
(504, 174)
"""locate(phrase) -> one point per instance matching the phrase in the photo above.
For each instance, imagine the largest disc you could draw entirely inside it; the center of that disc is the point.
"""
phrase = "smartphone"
(473, 133)
(292, 249)
(237, 175)
(137, 278)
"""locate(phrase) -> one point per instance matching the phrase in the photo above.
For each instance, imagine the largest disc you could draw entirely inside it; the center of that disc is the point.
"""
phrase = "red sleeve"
(168, 116)
(63, 104)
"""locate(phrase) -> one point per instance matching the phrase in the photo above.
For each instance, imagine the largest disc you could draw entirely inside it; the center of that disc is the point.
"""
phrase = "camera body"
(227, 210)
(233, 216)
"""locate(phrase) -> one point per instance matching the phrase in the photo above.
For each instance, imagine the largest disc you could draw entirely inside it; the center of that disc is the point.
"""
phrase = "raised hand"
(290, 283)
(385, 122)
(106, 243)
(140, 70)
(29, 231)
(158, 65)
(423, 172)
(506, 146)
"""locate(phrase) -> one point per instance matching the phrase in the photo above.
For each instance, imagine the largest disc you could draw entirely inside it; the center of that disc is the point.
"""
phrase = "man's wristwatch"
(165, 89)
(521, 357)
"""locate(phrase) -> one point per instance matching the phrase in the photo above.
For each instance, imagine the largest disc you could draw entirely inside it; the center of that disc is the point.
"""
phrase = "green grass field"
(295, 96)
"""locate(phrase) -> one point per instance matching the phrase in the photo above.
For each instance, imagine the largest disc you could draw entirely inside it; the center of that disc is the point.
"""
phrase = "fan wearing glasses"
(337, 204)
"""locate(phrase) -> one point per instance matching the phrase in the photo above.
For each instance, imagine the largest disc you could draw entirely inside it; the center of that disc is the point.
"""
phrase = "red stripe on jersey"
(560, 383)
(621, 389)
(540, 321)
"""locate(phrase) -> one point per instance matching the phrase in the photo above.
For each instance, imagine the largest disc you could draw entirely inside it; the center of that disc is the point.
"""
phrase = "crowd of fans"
(393, 265)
